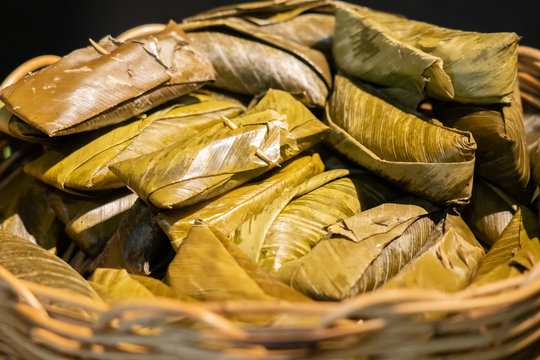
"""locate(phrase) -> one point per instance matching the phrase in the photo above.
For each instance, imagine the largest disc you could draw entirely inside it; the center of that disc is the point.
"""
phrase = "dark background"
(30, 29)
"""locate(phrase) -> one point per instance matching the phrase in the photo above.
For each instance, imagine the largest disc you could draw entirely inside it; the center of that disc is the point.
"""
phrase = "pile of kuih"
(289, 150)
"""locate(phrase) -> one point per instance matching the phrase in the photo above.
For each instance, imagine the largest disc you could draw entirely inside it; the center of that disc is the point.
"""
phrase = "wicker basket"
(497, 321)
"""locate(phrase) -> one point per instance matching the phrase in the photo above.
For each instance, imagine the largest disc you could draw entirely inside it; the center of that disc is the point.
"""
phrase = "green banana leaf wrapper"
(250, 61)
(90, 222)
(27, 199)
(310, 23)
(517, 250)
(375, 243)
(138, 244)
(230, 210)
(420, 58)
(87, 90)
(447, 262)
(489, 211)
(82, 165)
(422, 157)
(28, 261)
(117, 285)
(231, 275)
(498, 130)
(302, 222)
(222, 158)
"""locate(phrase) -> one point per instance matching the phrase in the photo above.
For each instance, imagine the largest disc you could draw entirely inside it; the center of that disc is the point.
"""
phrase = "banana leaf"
(531, 122)
(232, 209)
(217, 160)
(82, 165)
(426, 159)
(250, 61)
(310, 23)
(446, 64)
(498, 130)
(447, 262)
(117, 284)
(301, 223)
(99, 86)
(15, 127)
(271, 8)
(230, 275)
(335, 268)
(90, 222)
(304, 127)
(138, 244)
(28, 261)
(516, 251)
(14, 225)
(489, 212)
(25, 197)
(250, 236)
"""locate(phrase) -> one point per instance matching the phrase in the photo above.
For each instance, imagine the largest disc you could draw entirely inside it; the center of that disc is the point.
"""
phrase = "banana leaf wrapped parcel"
(361, 252)
(250, 61)
(448, 261)
(421, 58)
(230, 210)
(517, 250)
(230, 275)
(90, 222)
(27, 199)
(221, 157)
(81, 165)
(117, 284)
(138, 244)
(30, 262)
(301, 222)
(308, 22)
(489, 211)
(421, 156)
(501, 155)
(105, 84)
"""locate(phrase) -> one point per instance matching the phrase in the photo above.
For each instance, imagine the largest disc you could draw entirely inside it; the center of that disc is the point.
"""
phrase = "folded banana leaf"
(138, 245)
(250, 61)
(426, 159)
(90, 222)
(310, 23)
(489, 211)
(232, 209)
(301, 224)
(498, 130)
(15, 127)
(270, 8)
(516, 251)
(217, 160)
(250, 236)
(83, 164)
(14, 225)
(117, 285)
(418, 57)
(447, 262)
(25, 197)
(362, 251)
(103, 85)
(28, 261)
(229, 275)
